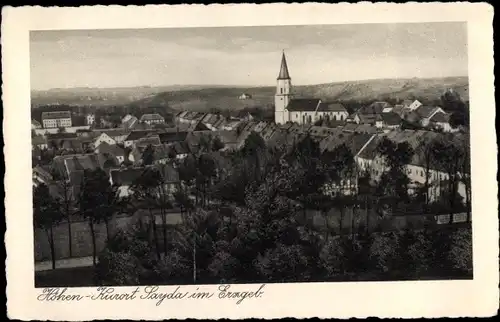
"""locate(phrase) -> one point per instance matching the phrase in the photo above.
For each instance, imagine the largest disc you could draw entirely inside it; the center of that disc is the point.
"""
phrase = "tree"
(46, 214)
(449, 156)
(66, 204)
(148, 155)
(217, 144)
(61, 130)
(97, 202)
(145, 193)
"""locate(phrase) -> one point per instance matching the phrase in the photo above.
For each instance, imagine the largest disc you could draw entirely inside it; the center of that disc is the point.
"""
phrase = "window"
(281, 90)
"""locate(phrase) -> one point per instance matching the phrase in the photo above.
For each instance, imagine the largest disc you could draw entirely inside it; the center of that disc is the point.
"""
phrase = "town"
(310, 190)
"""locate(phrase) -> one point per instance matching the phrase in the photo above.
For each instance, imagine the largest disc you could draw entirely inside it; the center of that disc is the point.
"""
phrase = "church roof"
(331, 107)
(283, 69)
(303, 104)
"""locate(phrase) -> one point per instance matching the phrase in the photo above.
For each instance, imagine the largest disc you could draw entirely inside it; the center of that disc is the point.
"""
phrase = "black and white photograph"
(259, 154)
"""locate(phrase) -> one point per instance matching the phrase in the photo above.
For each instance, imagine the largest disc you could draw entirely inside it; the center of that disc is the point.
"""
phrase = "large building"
(56, 119)
(301, 110)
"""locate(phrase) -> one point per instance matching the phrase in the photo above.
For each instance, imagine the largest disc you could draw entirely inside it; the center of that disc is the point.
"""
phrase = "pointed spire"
(284, 68)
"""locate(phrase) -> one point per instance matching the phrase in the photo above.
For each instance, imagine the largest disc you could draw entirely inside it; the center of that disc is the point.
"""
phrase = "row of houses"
(382, 115)
(63, 119)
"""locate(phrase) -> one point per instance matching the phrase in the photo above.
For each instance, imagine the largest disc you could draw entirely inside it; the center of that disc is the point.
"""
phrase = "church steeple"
(284, 68)
(283, 93)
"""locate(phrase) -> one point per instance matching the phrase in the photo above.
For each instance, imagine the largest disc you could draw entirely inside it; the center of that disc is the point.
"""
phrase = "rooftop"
(303, 104)
(56, 115)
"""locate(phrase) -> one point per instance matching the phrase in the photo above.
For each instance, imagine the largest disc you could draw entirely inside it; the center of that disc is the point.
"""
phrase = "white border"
(478, 297)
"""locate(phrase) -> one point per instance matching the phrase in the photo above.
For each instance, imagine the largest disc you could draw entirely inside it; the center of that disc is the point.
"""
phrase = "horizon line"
(245, 85)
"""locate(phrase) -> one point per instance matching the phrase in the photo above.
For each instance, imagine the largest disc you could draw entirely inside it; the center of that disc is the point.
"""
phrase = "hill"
(205, 97)
(426, 90)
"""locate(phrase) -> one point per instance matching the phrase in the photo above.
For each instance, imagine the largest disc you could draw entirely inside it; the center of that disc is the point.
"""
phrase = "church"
(301, 110)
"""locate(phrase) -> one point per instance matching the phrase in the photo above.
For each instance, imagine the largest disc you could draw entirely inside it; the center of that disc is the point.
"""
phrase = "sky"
(246, 56)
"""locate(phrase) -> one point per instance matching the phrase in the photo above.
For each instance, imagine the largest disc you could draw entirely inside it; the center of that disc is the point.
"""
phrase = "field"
(200, 98)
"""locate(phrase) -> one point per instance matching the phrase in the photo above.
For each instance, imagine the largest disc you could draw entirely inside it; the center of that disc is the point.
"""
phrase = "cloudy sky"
(245, 55)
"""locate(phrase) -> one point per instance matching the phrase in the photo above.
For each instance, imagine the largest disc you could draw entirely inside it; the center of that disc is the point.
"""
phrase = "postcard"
(250, 161)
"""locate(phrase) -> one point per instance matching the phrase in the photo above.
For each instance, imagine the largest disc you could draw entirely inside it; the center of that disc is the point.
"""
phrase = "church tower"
(283, 93)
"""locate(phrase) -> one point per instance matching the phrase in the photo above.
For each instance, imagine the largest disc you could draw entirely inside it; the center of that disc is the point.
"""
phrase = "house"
(41, 176)
(244, 96)
(180, 150)
(103, 138)
(411, 105)
(163, 153)
(391, 120)
(171, 137)
(113, 150)
(56, 119)
(441, 121)
(39, 141)
(74, 145)
(189, 117)
(152, 119)
(135, 136)
(129, 122)
(370, 160)
(369, 119)
(212, 121)
(35, 124)
(124, 179)
(118, 135)
(423, 114)
(230, 125)
(90, 119)
(152, 139)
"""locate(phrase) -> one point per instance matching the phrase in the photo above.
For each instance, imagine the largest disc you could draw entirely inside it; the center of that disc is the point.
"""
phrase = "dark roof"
(114, 149)
(440, 118)
(391, 118)
(283, 68)
(426, 111)
(169, 137)
(374, 108)
(303, 104)
(136, 135)
(61, 136)
(149, 140)
(56, 115)
(331, 107)
(125, 176)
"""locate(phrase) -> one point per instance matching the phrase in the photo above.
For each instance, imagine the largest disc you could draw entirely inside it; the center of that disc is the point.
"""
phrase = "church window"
(281, 90)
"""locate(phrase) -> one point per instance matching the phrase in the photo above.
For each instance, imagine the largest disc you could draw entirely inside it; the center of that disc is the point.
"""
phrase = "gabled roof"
(303, 104)
(283, 68)
(331, 107)
(440, 118)
(149, 140)
(426, 111)
(150, 117)
(35, 122)
(56, 115)
(169, 137)
(136, 135)
(114, 149)
(391, 118)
